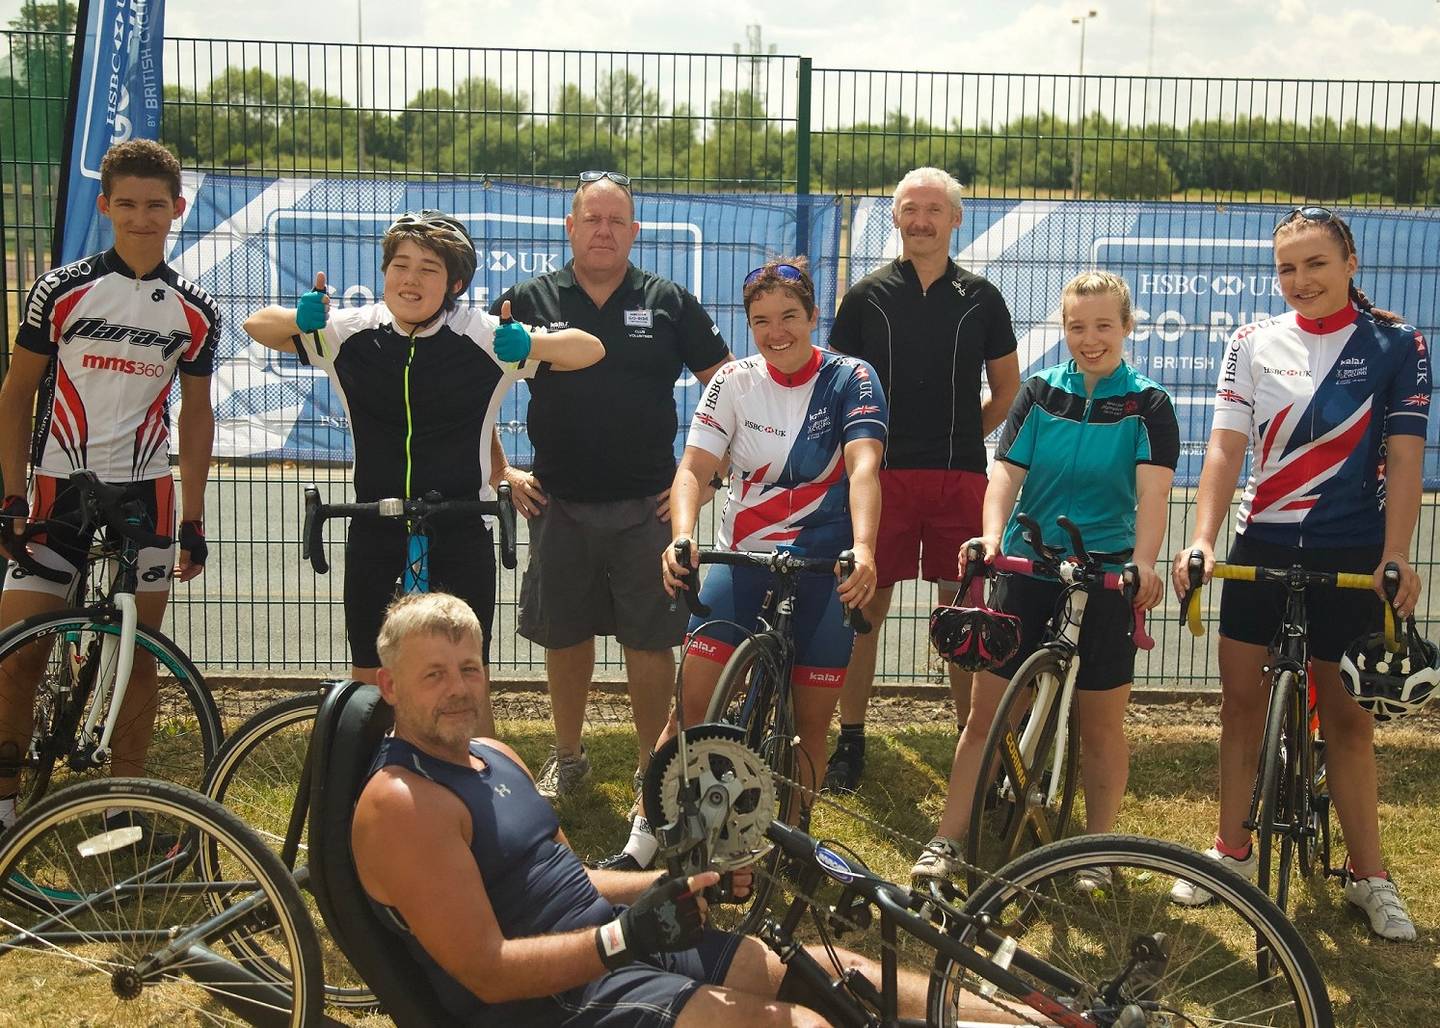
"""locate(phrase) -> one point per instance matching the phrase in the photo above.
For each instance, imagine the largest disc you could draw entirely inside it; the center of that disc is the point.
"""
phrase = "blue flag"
(116, 95)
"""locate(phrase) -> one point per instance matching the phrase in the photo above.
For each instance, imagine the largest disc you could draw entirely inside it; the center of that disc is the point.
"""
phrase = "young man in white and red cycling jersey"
(100, 342)
(802, 430)
(1332, 400)
(421, 377)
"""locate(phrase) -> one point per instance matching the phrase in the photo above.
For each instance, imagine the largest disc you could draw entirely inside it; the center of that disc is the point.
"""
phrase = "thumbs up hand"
(313, 310)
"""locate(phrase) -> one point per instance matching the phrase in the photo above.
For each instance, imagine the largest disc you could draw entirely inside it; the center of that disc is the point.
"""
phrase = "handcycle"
(1290, 802)
(261, 772)
(88, 651)
(1037, 948)
(754, 689)
(1025, 793)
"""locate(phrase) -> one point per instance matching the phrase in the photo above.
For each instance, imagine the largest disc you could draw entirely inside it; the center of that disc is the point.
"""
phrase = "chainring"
(719, 759)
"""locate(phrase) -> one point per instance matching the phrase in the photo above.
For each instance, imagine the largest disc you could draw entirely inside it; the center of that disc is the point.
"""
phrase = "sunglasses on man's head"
(788, 272)
(589, 177)
(1316, 214)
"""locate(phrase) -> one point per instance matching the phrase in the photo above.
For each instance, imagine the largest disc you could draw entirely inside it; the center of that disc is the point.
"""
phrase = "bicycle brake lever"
(853, 617)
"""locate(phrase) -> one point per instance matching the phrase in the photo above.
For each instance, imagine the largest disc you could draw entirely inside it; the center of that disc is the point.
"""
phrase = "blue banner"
(256, 241)
(1197, 272)
(119, 97)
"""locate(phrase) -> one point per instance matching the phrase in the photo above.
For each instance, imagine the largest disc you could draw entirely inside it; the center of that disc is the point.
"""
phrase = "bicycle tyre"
(745, 697)
(1001, 831)
(1088, 937)
(1276, 791)
(257, 774)
(107, 910)
(187, 731)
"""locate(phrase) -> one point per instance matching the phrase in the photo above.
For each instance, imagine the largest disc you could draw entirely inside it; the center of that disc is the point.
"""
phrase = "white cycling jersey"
(786, 437)
(116, 342)
(1318, 399)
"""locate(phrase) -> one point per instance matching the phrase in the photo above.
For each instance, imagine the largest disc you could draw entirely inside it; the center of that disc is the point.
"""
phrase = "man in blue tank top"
(454, 844)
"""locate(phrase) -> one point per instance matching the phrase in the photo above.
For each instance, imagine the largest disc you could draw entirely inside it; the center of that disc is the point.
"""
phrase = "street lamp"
(1082, 20)
(360, 83)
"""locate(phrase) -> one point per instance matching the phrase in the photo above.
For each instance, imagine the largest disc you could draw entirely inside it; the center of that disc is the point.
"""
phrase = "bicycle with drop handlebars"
(1290, 802)
(86, 654)
(1033, 742)
(261, 772)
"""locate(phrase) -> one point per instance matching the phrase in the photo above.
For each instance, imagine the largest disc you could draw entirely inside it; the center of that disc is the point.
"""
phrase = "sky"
(1376, 39)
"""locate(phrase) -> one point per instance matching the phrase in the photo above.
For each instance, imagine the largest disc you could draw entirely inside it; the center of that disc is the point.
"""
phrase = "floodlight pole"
(1082, 20)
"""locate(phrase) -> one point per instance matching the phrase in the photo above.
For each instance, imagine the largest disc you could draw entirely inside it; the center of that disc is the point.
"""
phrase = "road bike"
(87, 652)
(1025, 793)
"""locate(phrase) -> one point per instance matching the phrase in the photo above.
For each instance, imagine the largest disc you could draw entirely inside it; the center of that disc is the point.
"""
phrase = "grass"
(1171, 796)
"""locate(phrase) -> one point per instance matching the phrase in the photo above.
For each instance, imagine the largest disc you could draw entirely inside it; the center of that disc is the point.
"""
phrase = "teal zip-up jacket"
(1080, 453)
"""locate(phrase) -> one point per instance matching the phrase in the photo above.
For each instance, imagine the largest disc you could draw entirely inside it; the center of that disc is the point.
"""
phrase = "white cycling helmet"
(1391, 684)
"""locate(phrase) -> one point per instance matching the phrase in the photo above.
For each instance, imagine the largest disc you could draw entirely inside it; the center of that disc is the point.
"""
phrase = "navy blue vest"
(536, 885)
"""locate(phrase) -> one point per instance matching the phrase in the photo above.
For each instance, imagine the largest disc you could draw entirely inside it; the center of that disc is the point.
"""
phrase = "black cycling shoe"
(846, 764)
(621, 861)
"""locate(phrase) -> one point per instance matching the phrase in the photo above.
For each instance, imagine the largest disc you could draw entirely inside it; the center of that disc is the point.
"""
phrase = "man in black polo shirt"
(604, 458)
(928, 327)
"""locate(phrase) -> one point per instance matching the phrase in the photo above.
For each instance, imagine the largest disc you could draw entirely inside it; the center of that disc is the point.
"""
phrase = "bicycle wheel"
(257, 775)
(1010, 812)
(1277, 790)
(1098, 952)
(748, 695)
(186, 725)
(122, 927)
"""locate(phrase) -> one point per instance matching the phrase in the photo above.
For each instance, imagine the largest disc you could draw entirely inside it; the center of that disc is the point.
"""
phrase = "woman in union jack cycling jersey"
(802, 430)
(1331, 399)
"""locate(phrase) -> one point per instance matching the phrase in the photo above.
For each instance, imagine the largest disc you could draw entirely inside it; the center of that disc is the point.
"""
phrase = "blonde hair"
(1100, 283)
(932, 177)
(426, 614)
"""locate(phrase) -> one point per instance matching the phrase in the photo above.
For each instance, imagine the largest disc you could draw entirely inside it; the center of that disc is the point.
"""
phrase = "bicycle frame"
(1066, 645)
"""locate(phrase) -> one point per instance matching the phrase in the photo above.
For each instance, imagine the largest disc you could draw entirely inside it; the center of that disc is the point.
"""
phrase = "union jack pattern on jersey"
(115, 342)
(786, 437)
(1318, 400)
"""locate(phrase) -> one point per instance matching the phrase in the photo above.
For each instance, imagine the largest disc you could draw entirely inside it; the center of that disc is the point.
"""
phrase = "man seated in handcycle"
(467, 861)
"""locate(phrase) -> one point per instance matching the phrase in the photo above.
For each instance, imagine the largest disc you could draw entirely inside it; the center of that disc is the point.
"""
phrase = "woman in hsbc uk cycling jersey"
(1332, 399)
(804, 429)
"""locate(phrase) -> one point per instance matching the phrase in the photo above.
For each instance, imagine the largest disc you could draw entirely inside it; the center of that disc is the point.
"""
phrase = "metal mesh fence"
(1172, 182)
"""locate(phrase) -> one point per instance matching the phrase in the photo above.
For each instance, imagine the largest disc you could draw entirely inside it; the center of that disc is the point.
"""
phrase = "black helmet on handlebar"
(1391, 684)
(974, 638)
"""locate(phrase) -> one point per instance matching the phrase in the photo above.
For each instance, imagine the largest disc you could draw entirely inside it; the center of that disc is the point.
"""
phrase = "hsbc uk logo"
(1180, 284)
(530, 262)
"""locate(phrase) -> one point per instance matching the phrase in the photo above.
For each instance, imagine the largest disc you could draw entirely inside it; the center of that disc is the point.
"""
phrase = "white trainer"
(939, 859)
(1382, 904)
(1188, 894)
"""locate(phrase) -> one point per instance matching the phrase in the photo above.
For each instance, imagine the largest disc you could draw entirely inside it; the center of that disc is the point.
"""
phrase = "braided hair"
(1340, 231)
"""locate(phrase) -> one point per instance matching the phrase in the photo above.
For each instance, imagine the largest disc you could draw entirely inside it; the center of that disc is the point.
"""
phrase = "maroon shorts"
(926, 516)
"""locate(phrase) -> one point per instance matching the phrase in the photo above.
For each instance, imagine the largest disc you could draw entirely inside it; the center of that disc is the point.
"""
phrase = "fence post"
(802, 159)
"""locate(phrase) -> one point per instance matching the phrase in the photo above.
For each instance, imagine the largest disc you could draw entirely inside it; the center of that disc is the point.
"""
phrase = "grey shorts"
(595, 570)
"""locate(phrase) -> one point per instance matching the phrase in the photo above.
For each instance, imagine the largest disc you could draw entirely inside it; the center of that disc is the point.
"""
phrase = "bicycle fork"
(117, 650)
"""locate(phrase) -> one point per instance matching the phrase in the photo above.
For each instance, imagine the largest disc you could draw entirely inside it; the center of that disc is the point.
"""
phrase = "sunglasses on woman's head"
(1316, 214)
(788, 272)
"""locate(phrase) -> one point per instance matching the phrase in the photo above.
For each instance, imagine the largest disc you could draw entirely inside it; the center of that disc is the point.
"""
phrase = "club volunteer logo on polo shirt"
(642, 318)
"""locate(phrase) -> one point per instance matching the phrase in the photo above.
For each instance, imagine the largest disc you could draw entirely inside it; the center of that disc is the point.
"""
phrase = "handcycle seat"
(348, 728)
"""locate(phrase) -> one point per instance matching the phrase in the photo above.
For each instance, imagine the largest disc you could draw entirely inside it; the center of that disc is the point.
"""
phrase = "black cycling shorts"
(1107, 650)
(1251, 612)
(462, 562)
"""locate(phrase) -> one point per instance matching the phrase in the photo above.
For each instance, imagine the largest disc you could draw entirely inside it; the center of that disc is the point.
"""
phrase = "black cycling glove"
(14, 511)
(192, 541)
(665, 919)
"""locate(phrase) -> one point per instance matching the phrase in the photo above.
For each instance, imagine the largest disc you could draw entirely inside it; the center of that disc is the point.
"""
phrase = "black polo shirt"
(928, 347)
(607, 432)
